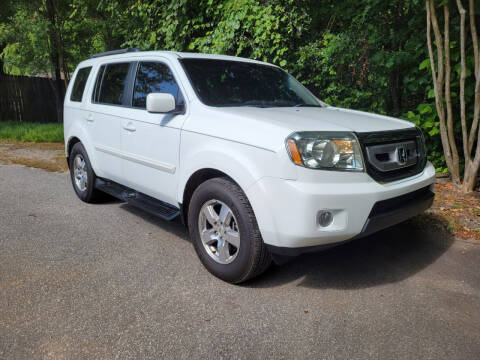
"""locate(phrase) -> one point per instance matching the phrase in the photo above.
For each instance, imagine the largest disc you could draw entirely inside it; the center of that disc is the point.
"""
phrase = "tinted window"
(98, 82)
(237, 83)
(79, 84)
(154, 77)
(112, 85)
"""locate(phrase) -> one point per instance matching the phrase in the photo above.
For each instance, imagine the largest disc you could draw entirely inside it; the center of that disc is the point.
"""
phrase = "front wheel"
(225, 233)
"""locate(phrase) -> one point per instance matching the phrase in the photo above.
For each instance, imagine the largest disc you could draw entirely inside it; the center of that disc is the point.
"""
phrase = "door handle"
(89, 118)
(129, 127)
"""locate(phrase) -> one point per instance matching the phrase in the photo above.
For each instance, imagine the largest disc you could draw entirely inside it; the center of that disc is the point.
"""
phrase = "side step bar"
(137, 199)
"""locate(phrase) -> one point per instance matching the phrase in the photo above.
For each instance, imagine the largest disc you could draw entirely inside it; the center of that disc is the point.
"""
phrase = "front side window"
(79, 84)
(154, 77)
(111, 83)
(239, 83)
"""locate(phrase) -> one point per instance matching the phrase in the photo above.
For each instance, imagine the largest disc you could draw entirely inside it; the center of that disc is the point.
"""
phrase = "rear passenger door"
(151, 142)
(108, 104)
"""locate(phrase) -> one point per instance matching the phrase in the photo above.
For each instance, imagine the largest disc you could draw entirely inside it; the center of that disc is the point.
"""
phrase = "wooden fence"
(28, 99)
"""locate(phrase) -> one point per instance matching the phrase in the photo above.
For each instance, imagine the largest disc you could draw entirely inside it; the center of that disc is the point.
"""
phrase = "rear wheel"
(82, 175)
(225, 233)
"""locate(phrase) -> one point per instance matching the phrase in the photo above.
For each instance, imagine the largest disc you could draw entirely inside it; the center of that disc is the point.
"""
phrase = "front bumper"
(384, 214)
(286, 210)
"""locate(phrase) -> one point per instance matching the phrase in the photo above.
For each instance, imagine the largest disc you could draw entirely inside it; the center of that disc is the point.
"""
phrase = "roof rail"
(114, 52)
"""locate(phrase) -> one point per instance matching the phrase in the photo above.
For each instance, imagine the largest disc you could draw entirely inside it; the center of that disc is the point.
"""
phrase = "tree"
(441, 69)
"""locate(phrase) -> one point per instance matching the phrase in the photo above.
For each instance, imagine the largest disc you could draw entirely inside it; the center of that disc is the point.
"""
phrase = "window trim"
(101, 68)
(174, 77)
(84, 86)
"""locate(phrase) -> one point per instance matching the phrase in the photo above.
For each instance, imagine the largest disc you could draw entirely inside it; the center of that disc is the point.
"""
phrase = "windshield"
(236, 83)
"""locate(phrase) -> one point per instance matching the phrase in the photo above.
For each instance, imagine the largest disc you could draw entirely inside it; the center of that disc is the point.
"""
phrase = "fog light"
(324, 218)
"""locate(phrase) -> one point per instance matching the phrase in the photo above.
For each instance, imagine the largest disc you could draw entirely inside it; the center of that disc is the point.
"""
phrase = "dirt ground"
(459, 212)
(47, 156)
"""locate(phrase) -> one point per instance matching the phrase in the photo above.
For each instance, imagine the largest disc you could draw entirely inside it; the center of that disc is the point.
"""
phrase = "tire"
(227, 262)
(85, 190)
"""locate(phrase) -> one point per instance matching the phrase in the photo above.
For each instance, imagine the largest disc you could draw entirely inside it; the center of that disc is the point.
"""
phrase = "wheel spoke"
(207, 236)
(78, 162)
(210, 214)
(232, 237)
(225, 214)
(81, 183)
(218, 231)
(223, 252)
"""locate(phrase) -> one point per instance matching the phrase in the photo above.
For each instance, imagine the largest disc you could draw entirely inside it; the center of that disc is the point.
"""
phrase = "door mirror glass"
(160, 103)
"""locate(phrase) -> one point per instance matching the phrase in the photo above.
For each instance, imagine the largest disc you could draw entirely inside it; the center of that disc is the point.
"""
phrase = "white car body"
(157, 154)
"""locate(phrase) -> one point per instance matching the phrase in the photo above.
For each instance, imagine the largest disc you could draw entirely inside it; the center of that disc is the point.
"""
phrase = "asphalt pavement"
(108, 281)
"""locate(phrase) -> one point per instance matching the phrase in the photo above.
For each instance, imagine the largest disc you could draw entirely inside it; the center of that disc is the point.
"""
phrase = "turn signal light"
(294, 153)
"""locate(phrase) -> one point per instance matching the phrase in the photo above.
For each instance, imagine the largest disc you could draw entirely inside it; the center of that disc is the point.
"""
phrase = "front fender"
(245, 164)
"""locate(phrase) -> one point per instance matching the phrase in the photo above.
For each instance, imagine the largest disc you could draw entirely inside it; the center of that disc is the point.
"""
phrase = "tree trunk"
(443, 100)
(54, 58)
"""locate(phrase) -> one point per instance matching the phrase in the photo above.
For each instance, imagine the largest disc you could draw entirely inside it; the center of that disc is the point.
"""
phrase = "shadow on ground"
(386, 257)
(174, 227)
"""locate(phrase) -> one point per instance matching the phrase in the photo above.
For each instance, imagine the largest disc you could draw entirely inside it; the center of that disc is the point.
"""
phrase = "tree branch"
(448, 97)
(429, 44)
(473, 29)
(463, 76)
(476, 112)
(438, 84)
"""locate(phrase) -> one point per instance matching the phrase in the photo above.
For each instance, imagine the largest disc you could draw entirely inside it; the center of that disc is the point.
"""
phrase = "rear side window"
(111, 83)
(79, 84)
(154, 77)
(98, 82)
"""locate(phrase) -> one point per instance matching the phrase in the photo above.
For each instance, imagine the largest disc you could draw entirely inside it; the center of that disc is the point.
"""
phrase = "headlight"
(325, 150)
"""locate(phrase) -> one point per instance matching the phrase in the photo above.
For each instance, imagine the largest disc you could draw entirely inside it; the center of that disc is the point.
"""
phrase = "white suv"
(256, 166)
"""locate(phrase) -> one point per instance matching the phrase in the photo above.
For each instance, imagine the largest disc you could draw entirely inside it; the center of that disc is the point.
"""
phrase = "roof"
(129, 53)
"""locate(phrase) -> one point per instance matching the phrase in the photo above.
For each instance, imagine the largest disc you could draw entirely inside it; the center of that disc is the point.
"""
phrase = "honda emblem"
(401, 155)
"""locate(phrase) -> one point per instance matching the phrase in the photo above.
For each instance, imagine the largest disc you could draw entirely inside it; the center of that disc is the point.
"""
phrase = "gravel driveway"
(109, 281)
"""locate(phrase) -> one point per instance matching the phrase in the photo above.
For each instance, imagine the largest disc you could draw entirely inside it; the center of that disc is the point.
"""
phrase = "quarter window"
(154, 77)
(79, 84)
(111, 83)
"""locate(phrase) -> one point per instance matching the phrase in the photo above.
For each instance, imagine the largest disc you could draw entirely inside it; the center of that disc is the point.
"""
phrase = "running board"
(137, 199)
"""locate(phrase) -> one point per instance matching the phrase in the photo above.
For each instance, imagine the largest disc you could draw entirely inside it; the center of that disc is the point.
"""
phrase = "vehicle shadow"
(175, 227)
(389, 256)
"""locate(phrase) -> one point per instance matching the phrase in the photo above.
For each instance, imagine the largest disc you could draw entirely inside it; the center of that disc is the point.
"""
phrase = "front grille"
(393, 155)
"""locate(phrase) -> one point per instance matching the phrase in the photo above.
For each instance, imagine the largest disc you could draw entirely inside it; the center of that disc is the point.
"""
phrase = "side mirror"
(160, 103)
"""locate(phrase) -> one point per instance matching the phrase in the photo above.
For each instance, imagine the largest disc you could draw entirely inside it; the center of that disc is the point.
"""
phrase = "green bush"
(425, 117)
(31, 132)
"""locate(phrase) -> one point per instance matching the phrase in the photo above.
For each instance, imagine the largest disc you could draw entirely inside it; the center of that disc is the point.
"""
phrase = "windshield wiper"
(307, 105)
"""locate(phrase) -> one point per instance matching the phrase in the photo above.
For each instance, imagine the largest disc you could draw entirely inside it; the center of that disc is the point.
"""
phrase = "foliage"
(25, 36)
(425, 117)
(31, 132)
(367, 54)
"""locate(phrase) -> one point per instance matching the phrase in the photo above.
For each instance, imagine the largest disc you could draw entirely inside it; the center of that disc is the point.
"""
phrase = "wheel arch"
(68, 147)
(194, 181)
(78, 137)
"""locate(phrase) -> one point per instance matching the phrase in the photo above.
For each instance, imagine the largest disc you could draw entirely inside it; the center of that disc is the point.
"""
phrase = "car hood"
(268, 127)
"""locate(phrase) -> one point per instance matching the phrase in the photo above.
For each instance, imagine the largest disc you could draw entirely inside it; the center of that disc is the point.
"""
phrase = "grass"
(31, 132)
